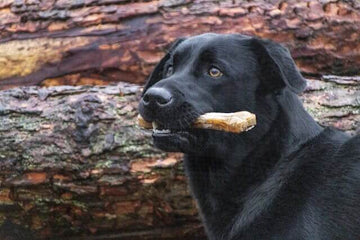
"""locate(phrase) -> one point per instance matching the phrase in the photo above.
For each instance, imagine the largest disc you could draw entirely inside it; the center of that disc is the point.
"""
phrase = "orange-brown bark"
(96, 42)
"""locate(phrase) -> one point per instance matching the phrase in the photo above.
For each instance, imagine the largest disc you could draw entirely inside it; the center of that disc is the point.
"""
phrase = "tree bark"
(61, 42)
(73, 162)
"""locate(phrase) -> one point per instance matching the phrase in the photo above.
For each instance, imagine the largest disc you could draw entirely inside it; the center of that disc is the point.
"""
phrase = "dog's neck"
(282, 131)
(301, 127)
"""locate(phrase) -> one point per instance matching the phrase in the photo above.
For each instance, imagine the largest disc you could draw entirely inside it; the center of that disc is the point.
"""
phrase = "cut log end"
(228, 122)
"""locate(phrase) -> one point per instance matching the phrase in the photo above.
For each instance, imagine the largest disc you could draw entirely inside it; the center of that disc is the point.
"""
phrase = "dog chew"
(236, 122)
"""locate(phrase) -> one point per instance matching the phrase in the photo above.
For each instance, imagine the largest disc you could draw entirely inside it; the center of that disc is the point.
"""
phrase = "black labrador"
(288, 178)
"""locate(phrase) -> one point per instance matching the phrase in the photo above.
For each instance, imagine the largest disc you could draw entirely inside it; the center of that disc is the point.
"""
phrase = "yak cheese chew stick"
(229, 122)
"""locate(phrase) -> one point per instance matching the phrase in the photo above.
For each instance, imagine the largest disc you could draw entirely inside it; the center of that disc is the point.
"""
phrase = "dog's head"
(213, 73)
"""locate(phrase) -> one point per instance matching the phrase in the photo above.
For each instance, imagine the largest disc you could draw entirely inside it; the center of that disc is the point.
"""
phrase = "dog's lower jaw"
(199, 142)
(175, 141)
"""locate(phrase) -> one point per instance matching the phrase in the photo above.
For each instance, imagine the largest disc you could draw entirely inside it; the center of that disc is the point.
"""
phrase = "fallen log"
(74, 164)
(96, 42)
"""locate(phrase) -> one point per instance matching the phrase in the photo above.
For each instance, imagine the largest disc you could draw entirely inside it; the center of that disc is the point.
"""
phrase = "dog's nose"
(157, 96)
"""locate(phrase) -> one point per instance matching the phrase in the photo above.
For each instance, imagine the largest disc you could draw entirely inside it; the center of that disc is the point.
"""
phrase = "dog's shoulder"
(350, 151)
(352, 145)
(342, 160)
(346, 148)
(330, 152)
(326, 144)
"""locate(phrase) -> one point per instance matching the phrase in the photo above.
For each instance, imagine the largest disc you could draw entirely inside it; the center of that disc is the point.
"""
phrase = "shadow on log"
(73, 163)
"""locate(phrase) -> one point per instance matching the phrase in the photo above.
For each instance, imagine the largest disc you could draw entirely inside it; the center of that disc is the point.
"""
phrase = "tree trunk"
(62, 42)
(73, 162)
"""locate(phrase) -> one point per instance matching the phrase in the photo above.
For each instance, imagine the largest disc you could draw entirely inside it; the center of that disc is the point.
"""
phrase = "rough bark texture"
(61, 42)
(74, 163)
(335, 101)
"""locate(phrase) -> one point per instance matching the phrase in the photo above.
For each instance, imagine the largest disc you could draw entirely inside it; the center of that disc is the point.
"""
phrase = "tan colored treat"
(229, 122)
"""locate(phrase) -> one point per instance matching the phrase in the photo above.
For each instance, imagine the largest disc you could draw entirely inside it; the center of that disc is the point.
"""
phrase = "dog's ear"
(157, 73)
(277, 66)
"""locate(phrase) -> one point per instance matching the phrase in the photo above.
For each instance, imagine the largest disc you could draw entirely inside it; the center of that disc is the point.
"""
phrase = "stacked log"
(62, 42)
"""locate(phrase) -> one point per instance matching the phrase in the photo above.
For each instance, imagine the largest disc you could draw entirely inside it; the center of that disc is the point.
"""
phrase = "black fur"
(288, 178)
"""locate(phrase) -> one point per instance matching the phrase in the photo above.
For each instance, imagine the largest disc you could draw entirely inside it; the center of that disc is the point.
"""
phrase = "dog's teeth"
(155, 126)
(162, 131)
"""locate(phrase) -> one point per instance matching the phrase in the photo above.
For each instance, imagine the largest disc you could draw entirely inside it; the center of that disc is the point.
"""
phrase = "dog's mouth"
(173, 136)
(182, 133)
(162, 130)
(236, 122)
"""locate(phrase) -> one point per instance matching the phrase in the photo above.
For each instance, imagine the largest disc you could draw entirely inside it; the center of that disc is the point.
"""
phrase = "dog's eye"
(215, 72)
(169, 71)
